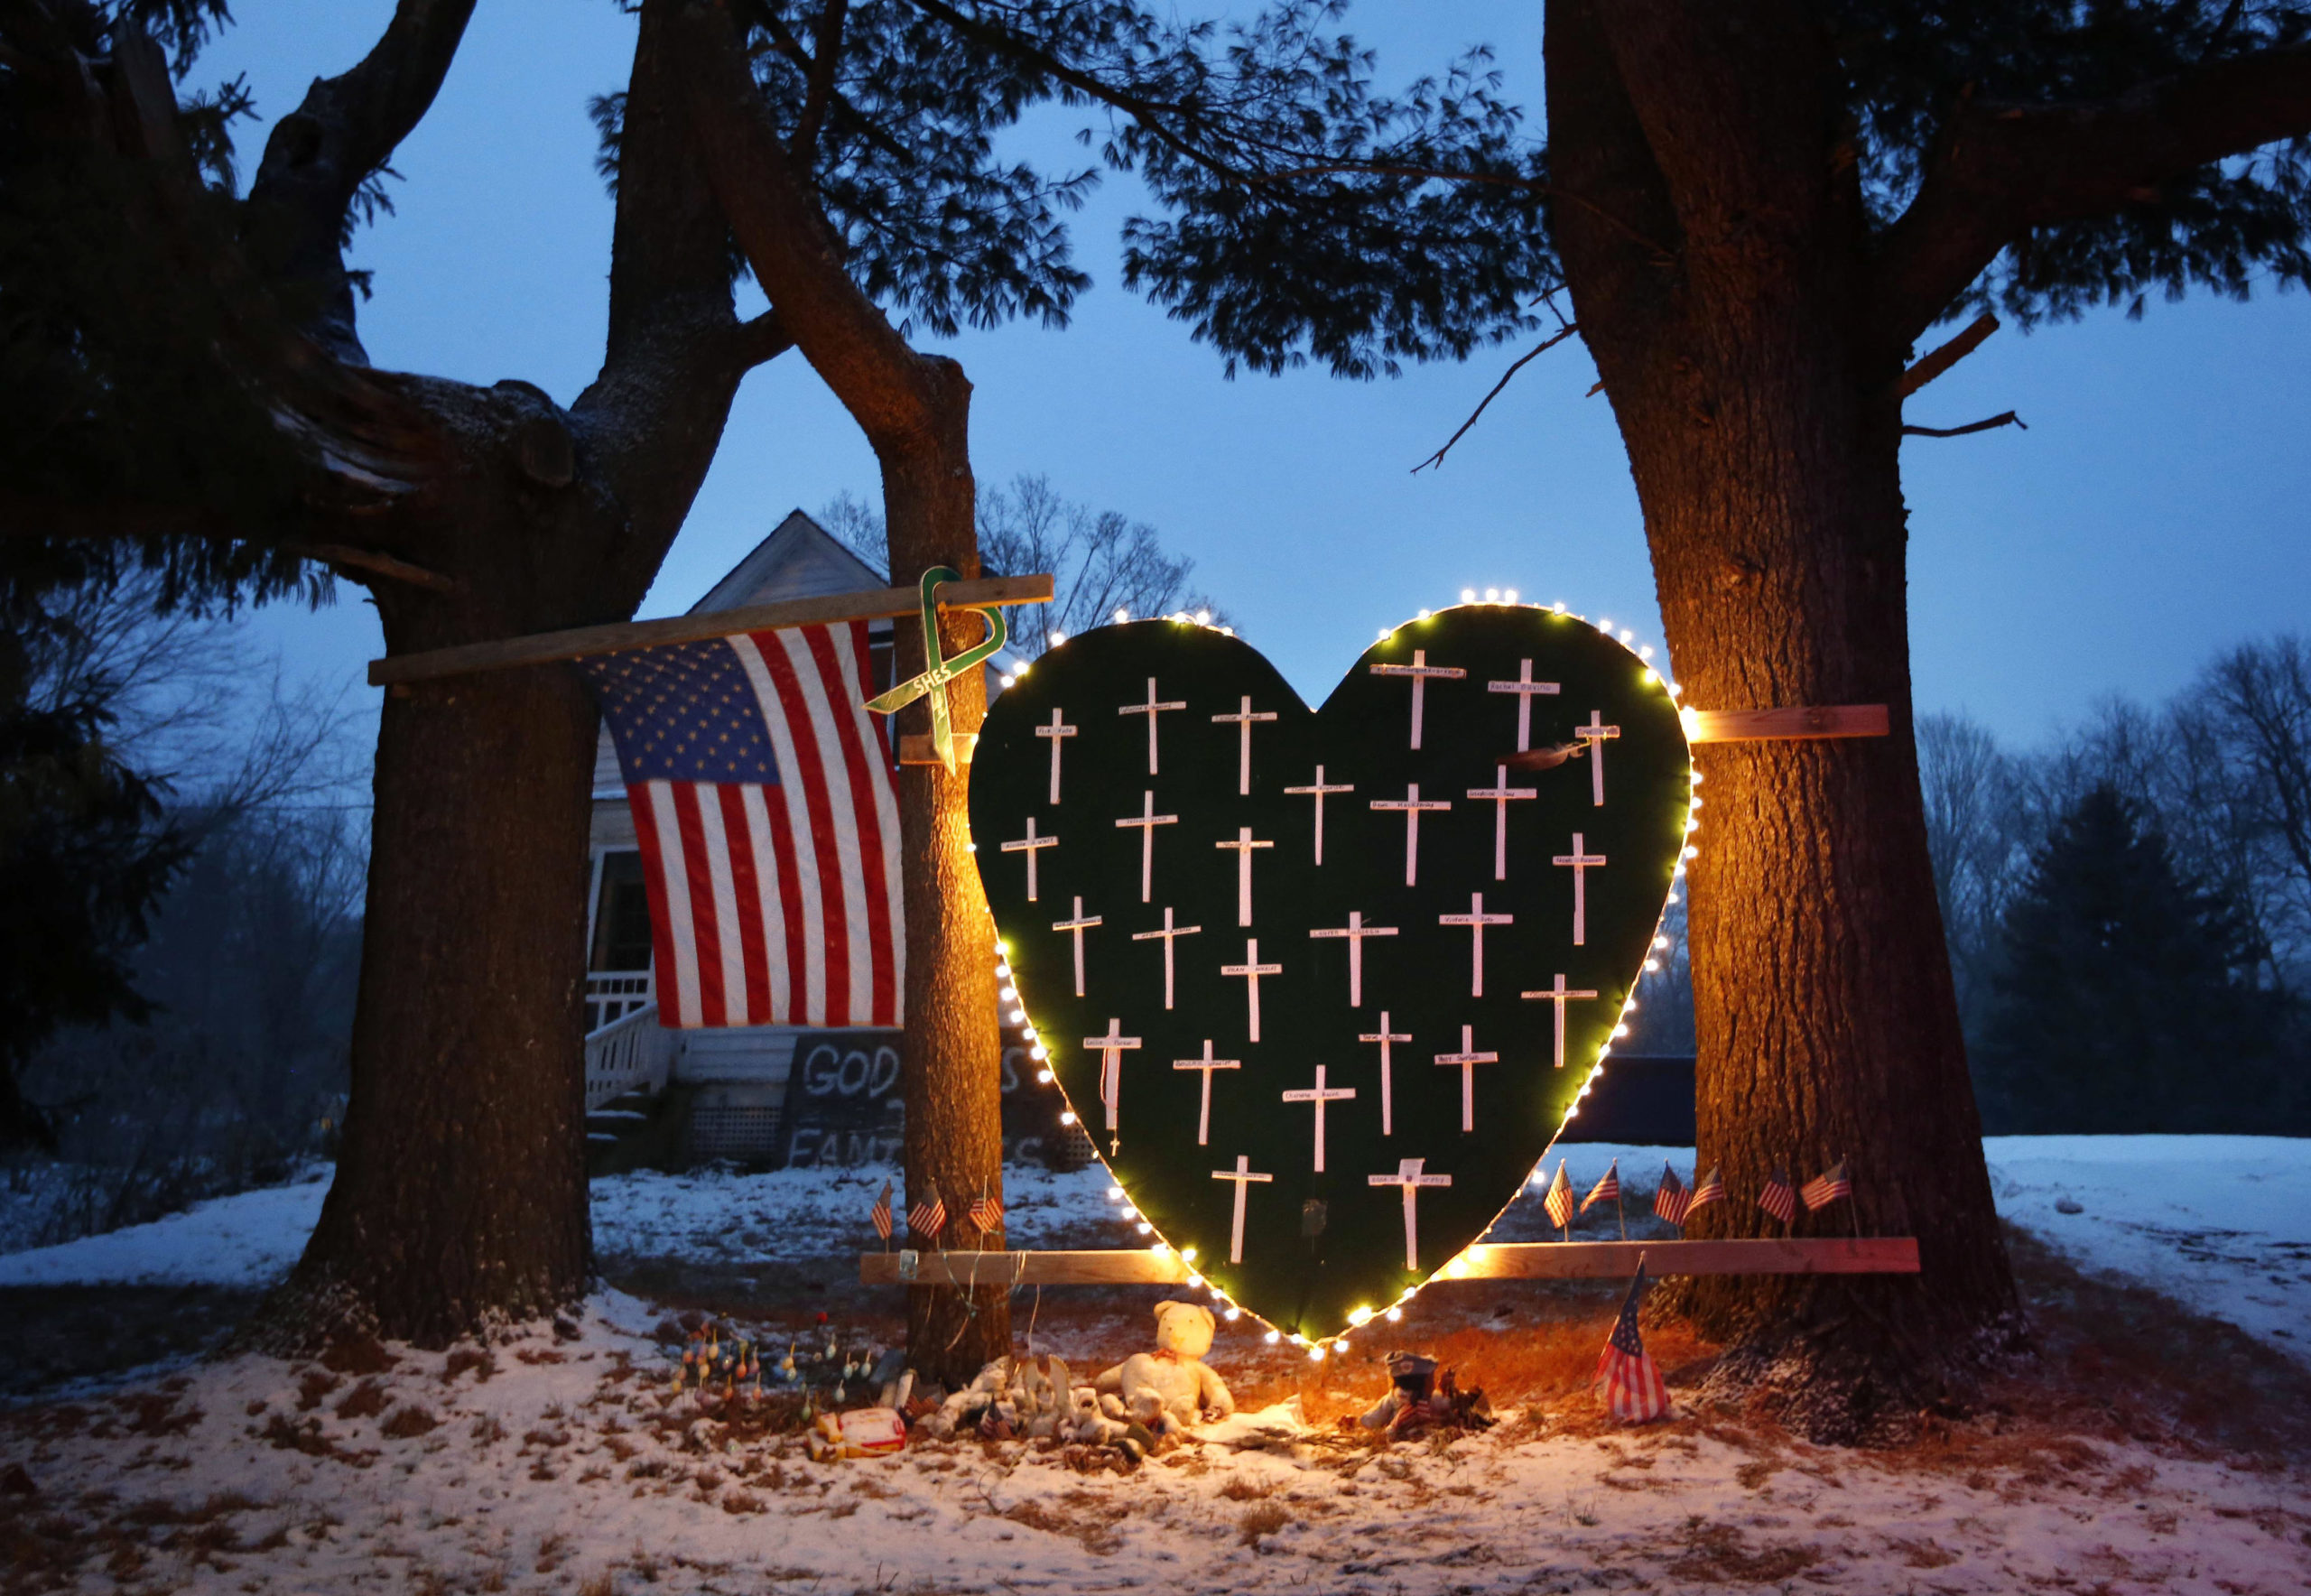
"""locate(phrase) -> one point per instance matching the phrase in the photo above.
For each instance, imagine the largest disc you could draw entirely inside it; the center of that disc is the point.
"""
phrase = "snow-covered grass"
(2221, 1223)
(565, 1464)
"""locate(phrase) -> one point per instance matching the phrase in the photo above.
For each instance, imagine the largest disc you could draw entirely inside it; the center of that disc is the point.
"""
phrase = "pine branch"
(1933, 365)
(2004, 419)
(1998, 171)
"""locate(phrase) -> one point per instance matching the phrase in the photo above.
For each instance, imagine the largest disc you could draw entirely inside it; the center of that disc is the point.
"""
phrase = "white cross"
(1409, 1177)
(1582, 864)
(1355, 931)
(1242, 719)
(1147, 819)
(1244, 845)
(1057, 729)
(1240, 1174)
(1110, 1049)
(1595, 735)
(1150, 710)
(1420, 671)
(1251, 970)
(1167, 933)
(1502, 793)
(1207, 1063)
(1411, 806)
(1030, 845)
(1385, 1036)
(1524, 686)
(1468, 1058)
(1078, 925)
(1476, 920)
(1320, 1097)
(1561, 994)
(1318, 791)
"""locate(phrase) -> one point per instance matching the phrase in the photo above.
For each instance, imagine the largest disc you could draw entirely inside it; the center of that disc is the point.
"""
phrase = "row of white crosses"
(1407, 1176)
(1114, 1043)
(1057, 730)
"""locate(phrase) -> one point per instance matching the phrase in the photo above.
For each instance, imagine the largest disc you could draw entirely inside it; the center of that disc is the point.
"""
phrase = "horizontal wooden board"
(1767, 1255)
(1760, 726)
(1516, 1260)
(544, 647)
(1134, 1266)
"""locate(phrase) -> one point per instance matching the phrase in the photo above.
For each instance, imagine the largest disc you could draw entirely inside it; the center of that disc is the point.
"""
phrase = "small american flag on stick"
(1670, 1197)
(1633, 1388)
(1828, 1187)
(1608, 1190)
(1778, 1199)
(1559, 1201)
(986, 1214)
(882, 1215)
(928, 1217)
(1709, 1189)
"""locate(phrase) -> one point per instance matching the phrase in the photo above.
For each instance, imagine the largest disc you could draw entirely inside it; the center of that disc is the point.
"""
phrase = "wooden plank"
(1759, 726)
(915, 748)
(1134, 1266)
(1516, 1260)
(544, 647)
(1767, 1255)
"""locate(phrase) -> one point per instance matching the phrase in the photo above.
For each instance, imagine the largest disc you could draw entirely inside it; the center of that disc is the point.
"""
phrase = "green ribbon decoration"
(932, 682)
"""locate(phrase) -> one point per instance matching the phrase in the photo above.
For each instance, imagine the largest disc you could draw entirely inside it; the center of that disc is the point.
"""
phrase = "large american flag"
(769, 826)
(1632, 1382)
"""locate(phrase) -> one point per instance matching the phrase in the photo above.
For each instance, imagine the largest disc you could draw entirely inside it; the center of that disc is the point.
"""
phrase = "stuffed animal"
(1011, 1397)
(1171, 1387)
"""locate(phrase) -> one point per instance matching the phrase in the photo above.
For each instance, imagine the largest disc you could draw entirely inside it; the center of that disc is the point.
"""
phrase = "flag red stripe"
(662, 936)
(841, 1003)
(698, 870)
(844, 691)
(752, 942)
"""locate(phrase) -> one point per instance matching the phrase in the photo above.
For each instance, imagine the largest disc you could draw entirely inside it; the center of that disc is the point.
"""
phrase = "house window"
(621, 915)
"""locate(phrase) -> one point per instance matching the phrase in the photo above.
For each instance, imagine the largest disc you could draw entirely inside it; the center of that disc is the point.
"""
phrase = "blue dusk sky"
(2151, 516)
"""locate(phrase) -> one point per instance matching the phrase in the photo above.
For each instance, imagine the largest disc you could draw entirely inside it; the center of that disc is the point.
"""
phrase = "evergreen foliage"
(2127, 1000)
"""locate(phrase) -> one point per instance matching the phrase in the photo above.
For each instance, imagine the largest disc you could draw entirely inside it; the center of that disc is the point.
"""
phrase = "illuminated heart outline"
(1315, 1287)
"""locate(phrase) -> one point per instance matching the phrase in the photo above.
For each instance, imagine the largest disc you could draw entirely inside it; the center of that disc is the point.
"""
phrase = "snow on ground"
(2222, 1223)
(567, 1463)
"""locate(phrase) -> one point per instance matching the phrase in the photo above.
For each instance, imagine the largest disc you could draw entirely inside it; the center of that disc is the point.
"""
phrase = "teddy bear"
(1172, 1386)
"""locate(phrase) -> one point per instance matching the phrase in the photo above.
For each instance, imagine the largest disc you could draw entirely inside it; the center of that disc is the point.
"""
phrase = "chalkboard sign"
(845, 1103)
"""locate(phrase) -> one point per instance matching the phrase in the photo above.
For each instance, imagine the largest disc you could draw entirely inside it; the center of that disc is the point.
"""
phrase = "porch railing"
(631, 1054)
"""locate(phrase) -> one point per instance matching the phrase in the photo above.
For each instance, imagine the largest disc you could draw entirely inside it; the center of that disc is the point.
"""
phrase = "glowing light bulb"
(1144, 1229)
(1232, 1314)
(1422, 615)
(1492, 595)
(1649, 964)
(1188, 1253)
(1396, 1315)
(1384, 634)
(1359, 1316)
(1021, 671)
(1121, 615)
(1660, 941)
(1627, 636)
(1468, 595)
(1558, 608)
(1057, 637)
(1007, 680)
(1272, 1337)
(1508, 596)
(1204, 618)
(1114, 1194)
(1645, 653)
(1691, 853)
(1315, 1354)
(1604, 626)
(1067, 1117)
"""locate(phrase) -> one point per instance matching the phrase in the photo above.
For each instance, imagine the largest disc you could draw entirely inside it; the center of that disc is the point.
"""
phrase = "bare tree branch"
(1517, 365)
(369, 560)
(826, 55)
(2004, 419)
(1999, 170)
(319, 156)
(1933, 365)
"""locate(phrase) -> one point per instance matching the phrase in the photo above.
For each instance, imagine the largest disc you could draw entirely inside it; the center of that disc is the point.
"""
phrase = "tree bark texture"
(460, 1196)
(914, 410)
(1714, 259)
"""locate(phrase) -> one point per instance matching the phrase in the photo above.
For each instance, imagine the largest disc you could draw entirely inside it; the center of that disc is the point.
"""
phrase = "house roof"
(798, 559)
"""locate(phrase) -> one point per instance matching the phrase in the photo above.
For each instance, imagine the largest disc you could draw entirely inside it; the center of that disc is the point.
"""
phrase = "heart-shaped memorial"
(1323, 986)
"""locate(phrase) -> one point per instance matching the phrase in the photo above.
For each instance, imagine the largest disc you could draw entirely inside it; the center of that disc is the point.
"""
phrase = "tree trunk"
(1714, 282)
(461, 1190)
(954, 1099)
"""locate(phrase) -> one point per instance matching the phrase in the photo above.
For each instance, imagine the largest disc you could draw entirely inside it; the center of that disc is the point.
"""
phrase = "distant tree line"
(180, 995)
(2129, 910)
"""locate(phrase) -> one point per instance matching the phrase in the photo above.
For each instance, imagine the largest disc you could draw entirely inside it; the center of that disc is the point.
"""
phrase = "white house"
(739, 1074)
